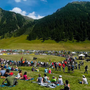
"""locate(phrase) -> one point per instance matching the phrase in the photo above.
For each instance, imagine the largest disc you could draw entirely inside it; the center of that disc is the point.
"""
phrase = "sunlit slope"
(22, 43)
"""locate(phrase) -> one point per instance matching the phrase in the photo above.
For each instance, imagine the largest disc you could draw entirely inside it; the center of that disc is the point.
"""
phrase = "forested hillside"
(12, 24)
(71, 22)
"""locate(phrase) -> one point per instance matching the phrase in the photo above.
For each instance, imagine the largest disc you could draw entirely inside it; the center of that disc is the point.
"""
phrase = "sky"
(35, 9)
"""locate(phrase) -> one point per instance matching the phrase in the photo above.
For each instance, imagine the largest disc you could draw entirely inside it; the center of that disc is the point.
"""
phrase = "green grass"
(27, 85)
(22, 43)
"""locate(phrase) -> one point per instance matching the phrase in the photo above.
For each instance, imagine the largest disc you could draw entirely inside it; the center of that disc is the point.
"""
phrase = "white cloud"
(17, 1)
(34, 16)
(18, 10)
(24, 13)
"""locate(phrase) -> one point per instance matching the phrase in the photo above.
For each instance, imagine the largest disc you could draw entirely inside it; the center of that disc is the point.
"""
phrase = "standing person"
(86, 67)
(21, 61)
(59, 66)
(79, 65)
(11, 80)
(55, 66)
(63, 65)
(69, 68)
(72, 67)
(75, 65)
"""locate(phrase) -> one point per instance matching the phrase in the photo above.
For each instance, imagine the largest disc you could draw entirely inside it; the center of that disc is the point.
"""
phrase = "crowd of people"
(69, 63)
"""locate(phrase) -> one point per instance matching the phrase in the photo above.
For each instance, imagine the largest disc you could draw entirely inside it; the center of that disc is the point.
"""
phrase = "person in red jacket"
(49, 71)
(63, 65)
(59, 66)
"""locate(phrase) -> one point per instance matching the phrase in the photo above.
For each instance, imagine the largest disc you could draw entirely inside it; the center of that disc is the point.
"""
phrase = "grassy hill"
(71, 77)
(22, 43)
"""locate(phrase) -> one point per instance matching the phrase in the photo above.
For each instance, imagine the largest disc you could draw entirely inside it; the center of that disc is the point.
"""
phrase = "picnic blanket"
(50, 85)
(5, 85)
(28, 79)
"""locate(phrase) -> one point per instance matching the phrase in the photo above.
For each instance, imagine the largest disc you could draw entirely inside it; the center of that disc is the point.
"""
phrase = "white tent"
(73, 52)
(81, 55)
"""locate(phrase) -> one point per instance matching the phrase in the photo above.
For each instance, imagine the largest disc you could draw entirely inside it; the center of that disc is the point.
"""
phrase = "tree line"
(71, 22)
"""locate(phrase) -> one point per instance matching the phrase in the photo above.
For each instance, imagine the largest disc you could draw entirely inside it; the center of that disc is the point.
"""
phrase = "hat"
(11, 73)
(83, 75)
(60, 75)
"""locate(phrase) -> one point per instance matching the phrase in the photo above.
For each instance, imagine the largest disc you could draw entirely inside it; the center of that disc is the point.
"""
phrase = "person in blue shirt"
(46, 70)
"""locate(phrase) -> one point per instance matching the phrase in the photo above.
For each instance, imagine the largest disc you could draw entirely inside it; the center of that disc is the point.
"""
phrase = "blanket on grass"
(5, 85)
(50, 85)
(28, 79)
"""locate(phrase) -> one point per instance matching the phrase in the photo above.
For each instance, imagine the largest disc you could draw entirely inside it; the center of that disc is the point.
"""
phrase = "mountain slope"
(71, 22)
(12, 23)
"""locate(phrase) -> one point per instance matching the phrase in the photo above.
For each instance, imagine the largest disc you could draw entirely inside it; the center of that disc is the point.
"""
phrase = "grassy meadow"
(28, 85)
(22, 43)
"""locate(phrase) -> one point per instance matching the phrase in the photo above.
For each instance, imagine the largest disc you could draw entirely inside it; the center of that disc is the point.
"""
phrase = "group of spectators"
(70, 63)
(59, 81)
(11, 78)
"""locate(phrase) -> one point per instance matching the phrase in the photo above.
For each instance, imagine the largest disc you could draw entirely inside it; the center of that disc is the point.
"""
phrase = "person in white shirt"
(60, 81)
(84, 80)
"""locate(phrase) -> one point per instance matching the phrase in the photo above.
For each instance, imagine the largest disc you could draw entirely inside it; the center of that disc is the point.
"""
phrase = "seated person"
(11, 80)
(84, 80)
(46, 79)
(25, 77)
(40, 79)
(66, 85)
(16, 69)
(37, 70)
(5, 66)
(32, 69)
(60, 81)
(12, 68)
(6, 74)
(46, 70)
(54, 80)
(49, 71)
(2, 65)
(9, 67)
(2, 71)
(20, 75)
